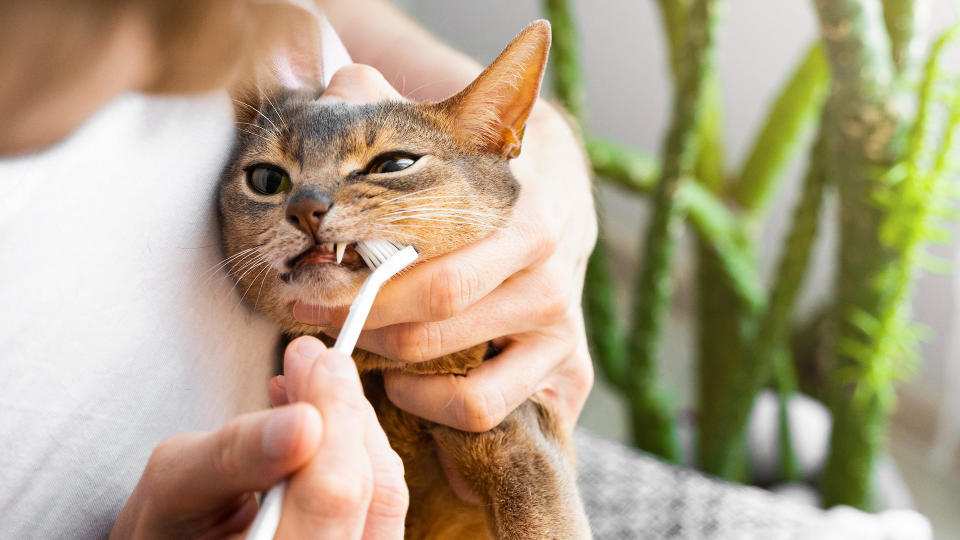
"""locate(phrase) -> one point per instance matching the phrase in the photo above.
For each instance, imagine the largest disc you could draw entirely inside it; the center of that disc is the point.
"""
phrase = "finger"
(487, 394)
(238, 520)
(529, 300)
(329, 497)
(277, 391)
(298, 360)
(192, 472)
(446, 286)
(389, 498)
(566, 388)
(359, 83)
(388, 503)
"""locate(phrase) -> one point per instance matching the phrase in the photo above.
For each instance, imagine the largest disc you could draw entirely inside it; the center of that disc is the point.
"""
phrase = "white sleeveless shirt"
(117, 329)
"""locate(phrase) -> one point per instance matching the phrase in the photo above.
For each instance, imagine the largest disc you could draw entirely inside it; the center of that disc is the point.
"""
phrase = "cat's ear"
(492, 111)
(302, 58)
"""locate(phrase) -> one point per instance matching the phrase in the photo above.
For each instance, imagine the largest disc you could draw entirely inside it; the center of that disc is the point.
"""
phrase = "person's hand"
(519, 287)
(354, 485)
(346, 480)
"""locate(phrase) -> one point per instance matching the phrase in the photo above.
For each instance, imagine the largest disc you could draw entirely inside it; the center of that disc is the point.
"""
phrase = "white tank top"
(117, 330)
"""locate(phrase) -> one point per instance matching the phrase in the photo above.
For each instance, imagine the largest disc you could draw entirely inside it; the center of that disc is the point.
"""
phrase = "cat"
(306, 174)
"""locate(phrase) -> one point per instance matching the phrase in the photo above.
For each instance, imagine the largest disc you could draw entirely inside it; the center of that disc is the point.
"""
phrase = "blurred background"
(629, 99)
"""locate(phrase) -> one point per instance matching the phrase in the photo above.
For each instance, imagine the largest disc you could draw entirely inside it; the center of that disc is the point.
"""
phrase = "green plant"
(887, 126)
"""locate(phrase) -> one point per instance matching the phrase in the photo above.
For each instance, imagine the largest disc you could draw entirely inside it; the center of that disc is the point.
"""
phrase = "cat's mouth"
(339, 253)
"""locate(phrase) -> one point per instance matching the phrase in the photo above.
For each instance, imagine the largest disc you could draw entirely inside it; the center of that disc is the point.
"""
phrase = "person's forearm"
(419, 65)
(416, 63)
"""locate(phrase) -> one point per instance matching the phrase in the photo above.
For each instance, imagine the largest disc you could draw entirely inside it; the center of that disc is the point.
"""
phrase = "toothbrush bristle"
(376, 252)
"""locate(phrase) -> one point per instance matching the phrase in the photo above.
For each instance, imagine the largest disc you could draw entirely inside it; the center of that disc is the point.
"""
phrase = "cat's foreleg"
(523, 473)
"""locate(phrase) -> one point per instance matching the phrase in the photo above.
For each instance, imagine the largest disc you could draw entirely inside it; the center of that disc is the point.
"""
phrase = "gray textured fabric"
(631, 495)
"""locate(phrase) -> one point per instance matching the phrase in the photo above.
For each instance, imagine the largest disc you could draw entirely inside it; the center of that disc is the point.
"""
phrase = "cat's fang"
(341, 249)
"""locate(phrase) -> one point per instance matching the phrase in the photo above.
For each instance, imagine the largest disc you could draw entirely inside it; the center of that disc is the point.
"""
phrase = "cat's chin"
(326, 285)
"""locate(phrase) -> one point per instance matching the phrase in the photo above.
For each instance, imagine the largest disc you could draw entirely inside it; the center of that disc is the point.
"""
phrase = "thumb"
(252, 453)
(358, 83)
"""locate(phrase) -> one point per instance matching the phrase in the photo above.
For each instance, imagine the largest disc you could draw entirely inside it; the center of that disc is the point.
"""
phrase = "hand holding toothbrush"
(345, 480)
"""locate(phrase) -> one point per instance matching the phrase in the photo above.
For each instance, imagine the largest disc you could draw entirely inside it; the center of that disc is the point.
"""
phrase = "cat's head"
(309, 173)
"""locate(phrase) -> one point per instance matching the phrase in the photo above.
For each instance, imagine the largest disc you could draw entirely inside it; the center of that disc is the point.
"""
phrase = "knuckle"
(541, 239)
(481, 408)
(227, 459)
(164, 456)
(451, 290)
(582, 375)
(346, 396)
(391, 497)
(415, 342)
(341, 490)
(555, 308)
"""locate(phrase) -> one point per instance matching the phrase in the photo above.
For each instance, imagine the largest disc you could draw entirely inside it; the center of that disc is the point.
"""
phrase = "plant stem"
(719, 450)
(710, 217)
(601, 317)
(628, 168)
(864, 127)
(656, 432)
(565, 58)
(904, 20)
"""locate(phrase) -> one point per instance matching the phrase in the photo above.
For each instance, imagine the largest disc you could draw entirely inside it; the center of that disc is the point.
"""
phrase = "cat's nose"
(307, 208)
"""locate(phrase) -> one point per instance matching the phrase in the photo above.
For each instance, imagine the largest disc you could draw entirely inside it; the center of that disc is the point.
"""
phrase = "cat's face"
(311, 177)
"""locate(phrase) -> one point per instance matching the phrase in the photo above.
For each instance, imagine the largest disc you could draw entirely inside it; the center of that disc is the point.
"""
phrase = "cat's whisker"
(259, 266)
(240, 265)
(248, 267)
(442, 210)
(447, 211)
(427, 217)
(433, 198)
(223, 262)
(274, 107)
(484, 220)
(422, 86)
(235, 258)
(410, 194)
(266, 268)
(251, 124)
(259, 112)
(270, 268)
(254, 134)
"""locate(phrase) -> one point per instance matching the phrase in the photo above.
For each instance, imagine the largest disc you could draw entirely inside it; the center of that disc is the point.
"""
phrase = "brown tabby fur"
(457, 192)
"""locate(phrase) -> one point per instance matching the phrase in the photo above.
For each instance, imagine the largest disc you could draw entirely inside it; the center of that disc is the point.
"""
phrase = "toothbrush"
(386, 259)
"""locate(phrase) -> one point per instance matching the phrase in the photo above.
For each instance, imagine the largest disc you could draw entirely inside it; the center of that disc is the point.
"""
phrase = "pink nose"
(306, 210)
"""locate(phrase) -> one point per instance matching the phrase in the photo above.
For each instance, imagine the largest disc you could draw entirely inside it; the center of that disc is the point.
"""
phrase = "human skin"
(345, 480)
(520, 287)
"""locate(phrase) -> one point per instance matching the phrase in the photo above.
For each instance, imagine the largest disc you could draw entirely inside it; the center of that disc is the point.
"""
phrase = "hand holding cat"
(519, 287)
(346, 480)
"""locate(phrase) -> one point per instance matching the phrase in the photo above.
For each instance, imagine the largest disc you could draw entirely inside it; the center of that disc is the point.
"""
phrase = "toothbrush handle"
(264, 527)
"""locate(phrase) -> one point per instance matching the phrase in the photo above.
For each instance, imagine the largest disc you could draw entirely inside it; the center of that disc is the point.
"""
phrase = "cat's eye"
(268, 180)
(390, 163)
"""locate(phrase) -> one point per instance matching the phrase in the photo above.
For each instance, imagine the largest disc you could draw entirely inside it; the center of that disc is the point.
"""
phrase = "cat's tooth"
(341, 249)
(328, 246)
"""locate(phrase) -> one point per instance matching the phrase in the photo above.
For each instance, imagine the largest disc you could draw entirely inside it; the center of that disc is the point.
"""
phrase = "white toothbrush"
(386, 259)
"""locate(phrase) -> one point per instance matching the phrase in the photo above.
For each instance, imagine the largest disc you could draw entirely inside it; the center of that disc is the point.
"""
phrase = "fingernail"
(310, 347)
(280, 432)
(339, 365)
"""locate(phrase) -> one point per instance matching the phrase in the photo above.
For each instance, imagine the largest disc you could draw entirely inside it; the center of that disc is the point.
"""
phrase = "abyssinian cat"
(307, 177)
